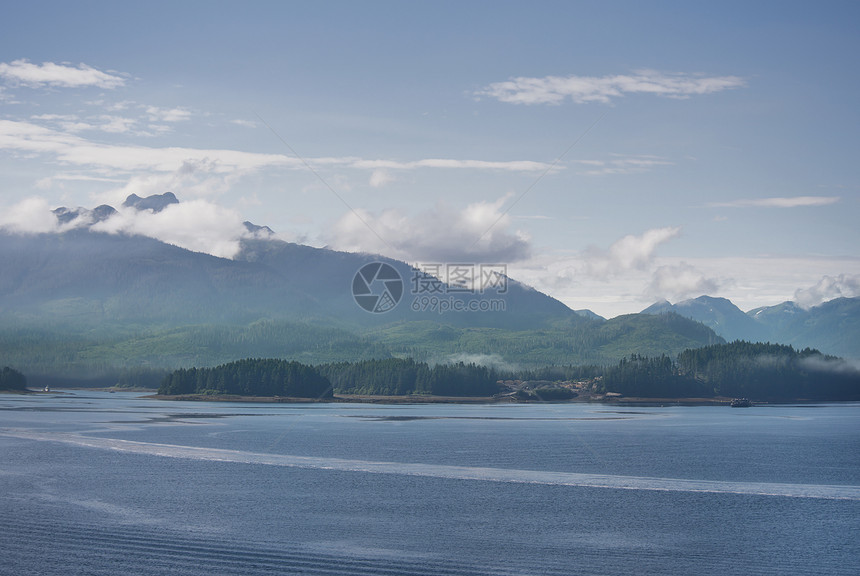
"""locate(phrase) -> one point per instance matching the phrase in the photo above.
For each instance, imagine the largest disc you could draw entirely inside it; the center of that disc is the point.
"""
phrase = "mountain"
(832, 327)
(720, 314)
(65, 215)
(156, 202)
(779, 319)
(327, 276)
(590, 315)
(89, 304)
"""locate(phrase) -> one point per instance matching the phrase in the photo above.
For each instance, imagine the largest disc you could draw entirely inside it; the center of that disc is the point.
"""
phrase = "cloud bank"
(585, 89)
(477, 233)
(623, 164)
(508, 166)
(679, 282)
(629, 253)
(25, 73)
(71, 149)
(777, 202)
(443, 234)
(29, 216)
(197, 225)
(829, 288)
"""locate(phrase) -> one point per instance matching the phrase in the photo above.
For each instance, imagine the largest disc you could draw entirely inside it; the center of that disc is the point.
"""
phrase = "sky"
(610, 154)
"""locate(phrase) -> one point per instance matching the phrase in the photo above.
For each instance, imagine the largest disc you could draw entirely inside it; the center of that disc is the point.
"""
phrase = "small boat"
(741, 403)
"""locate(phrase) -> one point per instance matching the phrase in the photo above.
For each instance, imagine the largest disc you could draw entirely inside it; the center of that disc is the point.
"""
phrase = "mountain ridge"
(83, 301)
(832, 327)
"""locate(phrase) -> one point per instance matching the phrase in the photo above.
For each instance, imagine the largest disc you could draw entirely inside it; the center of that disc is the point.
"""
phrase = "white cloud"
(72, 149)
(511, 166)
(833, 365)
(788, 202)
(379, 178)
(679, 282)
(749, 282)
(56, 117)
(197, 225)
(829, 288)
(609, 281)
(103, 122)
(583, 89)
(489, 360)
(534, 217)
(29, 137)
(157, 114)
(115, 124)
(623, 164)
(477, 233)
(629, 253)
(24, 73)
(193, 179)
(49, 181)
(628, 257)
(29, 216)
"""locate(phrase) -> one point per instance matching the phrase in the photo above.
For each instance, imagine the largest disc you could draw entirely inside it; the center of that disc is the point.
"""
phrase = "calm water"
(98, 483)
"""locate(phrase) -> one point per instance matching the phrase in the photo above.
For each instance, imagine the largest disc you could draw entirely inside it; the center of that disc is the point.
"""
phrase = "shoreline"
(422, 399)
(336, 399)
(583, 398)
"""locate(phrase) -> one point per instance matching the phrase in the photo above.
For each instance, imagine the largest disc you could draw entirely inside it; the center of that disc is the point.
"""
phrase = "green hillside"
(107, 352)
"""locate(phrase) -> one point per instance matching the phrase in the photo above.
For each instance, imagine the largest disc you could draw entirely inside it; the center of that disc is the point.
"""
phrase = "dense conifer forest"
(390, 377)
(738, 369)
(251, 377)
(395, 377)
(11, 379)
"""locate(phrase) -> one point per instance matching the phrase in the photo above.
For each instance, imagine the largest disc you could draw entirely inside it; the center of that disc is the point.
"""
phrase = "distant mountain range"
(832, 327)
(91, 304)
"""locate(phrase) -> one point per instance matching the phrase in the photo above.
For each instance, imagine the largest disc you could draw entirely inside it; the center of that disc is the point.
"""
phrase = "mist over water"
(97, 483)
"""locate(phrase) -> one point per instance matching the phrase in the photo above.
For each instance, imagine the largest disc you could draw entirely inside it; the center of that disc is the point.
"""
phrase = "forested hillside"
(105, 355)
(738, 369)
(88, 308)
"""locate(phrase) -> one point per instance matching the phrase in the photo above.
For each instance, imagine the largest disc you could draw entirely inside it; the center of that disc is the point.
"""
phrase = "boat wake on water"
(484, 474)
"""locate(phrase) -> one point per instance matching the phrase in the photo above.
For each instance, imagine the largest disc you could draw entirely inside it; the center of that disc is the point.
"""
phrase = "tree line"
(11, 379)
(250, 377)
(390, 377)
(397, 377)
(738, 369)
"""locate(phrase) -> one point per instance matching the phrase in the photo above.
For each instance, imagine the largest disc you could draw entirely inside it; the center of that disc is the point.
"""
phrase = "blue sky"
(610, 153)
